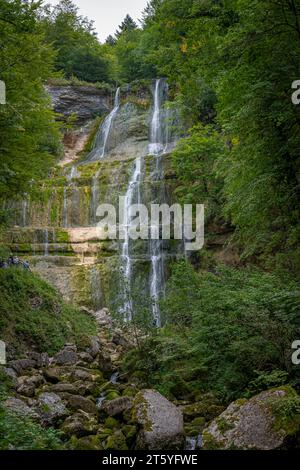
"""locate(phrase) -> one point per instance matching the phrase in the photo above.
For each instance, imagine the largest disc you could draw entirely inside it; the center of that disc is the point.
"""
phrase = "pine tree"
(127, 25)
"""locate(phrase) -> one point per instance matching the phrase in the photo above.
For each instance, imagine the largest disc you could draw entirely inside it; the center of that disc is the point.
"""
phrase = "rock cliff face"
(86, 102)
(55, 228)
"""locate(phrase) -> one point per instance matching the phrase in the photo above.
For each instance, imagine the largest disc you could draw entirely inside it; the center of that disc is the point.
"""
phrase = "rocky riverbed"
(82, 392)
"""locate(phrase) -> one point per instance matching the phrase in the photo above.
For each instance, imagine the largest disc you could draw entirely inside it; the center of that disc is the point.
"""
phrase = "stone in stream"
(261, 423)
(161, 422)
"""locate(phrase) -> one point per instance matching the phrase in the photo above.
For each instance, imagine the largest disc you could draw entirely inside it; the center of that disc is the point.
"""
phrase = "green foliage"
(29, 138)
(23, 434)
(233, 63)
(32, 312)
(194, 161)
(222, 331)
(79, 52)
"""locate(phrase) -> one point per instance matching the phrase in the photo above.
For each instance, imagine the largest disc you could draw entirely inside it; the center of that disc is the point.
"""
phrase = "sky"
(108, 14)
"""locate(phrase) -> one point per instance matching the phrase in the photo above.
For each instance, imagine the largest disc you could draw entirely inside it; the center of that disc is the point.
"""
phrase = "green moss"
(32, 312)
(111, 423)
(224, 425)
(116, 442)
(210, 443)
(62, 236)
(86, 443)
(112, 395)
(286, 410)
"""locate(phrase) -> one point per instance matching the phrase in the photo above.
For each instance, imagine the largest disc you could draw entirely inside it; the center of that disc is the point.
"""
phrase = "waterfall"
(94, 198)
(157, 139)
(24, 211)
(157, 146)
(132, 196)
(65, 209)
(46, 242)
(73, 173)
(102, 136)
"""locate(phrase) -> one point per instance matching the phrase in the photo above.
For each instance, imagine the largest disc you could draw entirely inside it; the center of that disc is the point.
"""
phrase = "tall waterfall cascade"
(157, 147)
(132, 197)
(58, 231)
(100, 145)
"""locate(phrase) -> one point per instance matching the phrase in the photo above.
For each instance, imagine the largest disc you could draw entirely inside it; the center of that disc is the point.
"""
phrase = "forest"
(228, 325)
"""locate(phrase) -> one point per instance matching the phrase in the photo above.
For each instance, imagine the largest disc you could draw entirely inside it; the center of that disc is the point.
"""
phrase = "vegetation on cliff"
(34, 316)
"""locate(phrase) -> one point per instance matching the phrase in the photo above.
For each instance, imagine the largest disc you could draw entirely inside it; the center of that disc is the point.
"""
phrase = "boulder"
(104, 362)
(77, 402)
(103, 317)
(65, 357)
(12, 376)
(117, 441)
(94, 346)
(161, 422)
(117, 406)
(51, 408)
(119, 340)
(26, 389)
(63, 388)
(41, 359)
(58, 374)
(259, 423)
(21, 366)
(84, 358)
(18, 407)
(80, 424)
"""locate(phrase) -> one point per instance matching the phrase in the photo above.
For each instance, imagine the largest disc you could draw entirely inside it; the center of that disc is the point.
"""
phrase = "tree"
(127, 25)
(29, 137)
(79, 52)
(110, 40)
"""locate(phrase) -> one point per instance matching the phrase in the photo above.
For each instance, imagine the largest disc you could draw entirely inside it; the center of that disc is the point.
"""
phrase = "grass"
(33, 315)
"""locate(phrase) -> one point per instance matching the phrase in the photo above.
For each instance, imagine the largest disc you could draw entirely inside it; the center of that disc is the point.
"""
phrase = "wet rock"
(161, 422)
(18, 407)
(51, 408)
(80, 424)
(255, 423)
(77, 402)
(117, 406)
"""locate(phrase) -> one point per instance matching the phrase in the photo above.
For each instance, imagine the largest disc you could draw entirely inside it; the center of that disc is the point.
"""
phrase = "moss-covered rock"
(270, 420)
(116, 442)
